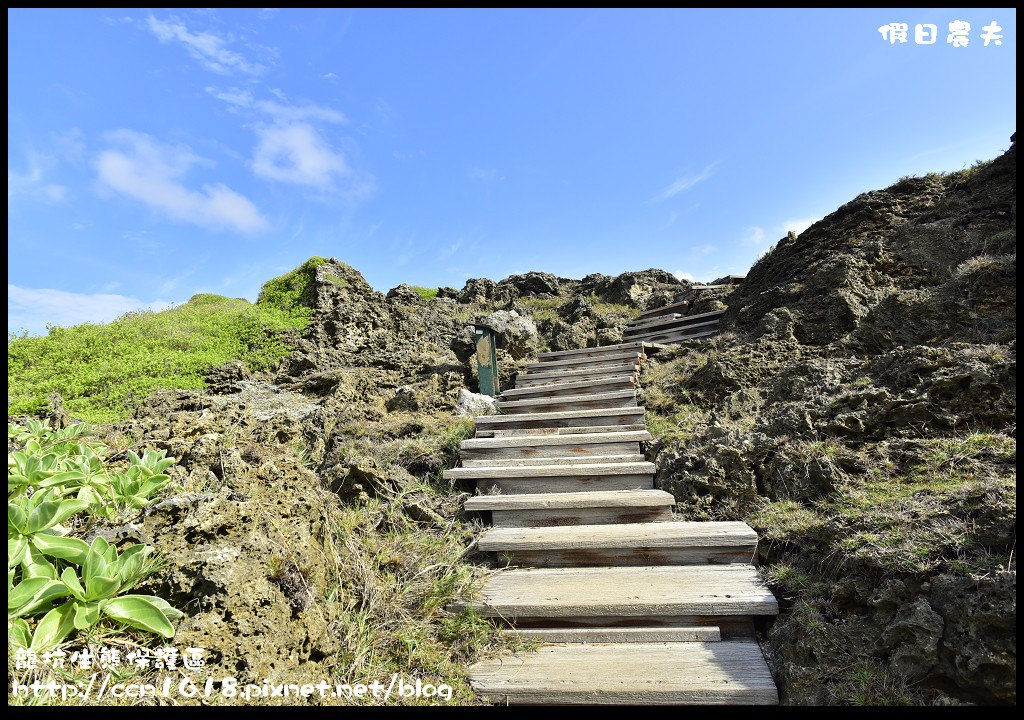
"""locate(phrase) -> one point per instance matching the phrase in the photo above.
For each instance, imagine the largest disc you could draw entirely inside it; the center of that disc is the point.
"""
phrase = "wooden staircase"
(634, 607)
(672, 323)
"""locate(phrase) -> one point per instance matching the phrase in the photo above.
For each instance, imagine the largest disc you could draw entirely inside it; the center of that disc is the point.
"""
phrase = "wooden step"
(520, 432)
(680, 336)
(658, 321)
(620, 634)
(574, 442)
(574, 508)
(654, 320)
(557, 478)
(591, 352)
(560, 501)
(569, 460)
(595, 417)
(615, 368)
(524, 381)
(595, 401)
(566, 484)
(679, 306)
(661, 332)
(626, 358)
(640, 592)
(733, 627)
(577, 470)
(687, 321)
(665, 543)
(697, 673)
(573, 387)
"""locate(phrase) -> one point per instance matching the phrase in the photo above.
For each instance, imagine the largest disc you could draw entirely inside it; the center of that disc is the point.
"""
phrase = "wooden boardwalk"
(632, 606)
(674, 323)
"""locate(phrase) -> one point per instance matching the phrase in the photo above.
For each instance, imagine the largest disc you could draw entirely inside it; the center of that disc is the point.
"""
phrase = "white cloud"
(330, 76)
(451, 249)
(680, 275)
(150, 172)
(289, 148)
(209, 49)
(33, 184)
(279, 112)
(297, 154)
(798, 225)
(32, 308)
(753, 236)
(482, 175)
(682, 184)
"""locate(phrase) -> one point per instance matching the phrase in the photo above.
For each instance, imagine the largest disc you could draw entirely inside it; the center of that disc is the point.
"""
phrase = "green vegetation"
(425, 293)
(787, 577)
(604, 308)
(680, 424)
(291, 292)
(542, 308)
(394, 583)
(786, 520)
(869, 683)
(400, 558)
(100, 369)
(56, 481)
(914, 516)
(925, 514)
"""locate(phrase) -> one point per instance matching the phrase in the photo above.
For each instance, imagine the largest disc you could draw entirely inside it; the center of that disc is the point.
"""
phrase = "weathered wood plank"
(614, 399)
(549, 501)
(732, 627)
(572, 387)
(578, 470)
(627, 591)
(737, 535)
(700, 673)
(627, 358)
(491, 461)
(580, 516)
(519, 432)
(525, 381)
(678, 306)
(583, 452)
(594, 417)
(671, 338)
(533, 486)
(542, 440)
(586, 371)
(671, 543)
(590, 352)
(697, 317)
(619, 635)
(673, 326)
(621, 557)
(654, 320)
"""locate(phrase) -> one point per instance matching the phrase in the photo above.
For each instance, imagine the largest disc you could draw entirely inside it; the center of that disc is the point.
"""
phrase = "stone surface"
(472, 404)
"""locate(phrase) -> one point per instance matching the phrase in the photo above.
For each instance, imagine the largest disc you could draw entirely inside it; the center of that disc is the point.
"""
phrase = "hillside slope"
(860, 413)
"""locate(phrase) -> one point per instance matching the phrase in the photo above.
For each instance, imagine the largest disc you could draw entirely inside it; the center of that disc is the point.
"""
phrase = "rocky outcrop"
(859, 412)
(939, 249)
(646, 289)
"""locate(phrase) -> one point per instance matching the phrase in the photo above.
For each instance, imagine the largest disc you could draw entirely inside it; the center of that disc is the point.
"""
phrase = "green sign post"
(486, 360)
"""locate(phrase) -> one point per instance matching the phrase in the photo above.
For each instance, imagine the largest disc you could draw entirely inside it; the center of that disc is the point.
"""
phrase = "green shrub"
(54, 477)
(100, 369)
(291, 292)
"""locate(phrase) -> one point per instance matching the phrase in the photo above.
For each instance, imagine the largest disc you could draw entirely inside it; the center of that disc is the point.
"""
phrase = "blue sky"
(154, 154)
